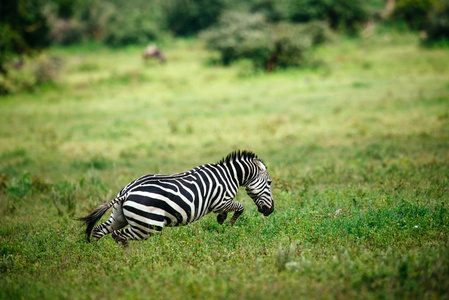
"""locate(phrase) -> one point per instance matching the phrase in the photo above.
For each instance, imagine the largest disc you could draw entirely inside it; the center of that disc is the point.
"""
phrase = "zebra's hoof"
(221, 218)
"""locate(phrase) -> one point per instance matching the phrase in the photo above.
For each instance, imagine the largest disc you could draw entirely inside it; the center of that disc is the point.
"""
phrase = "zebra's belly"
(155, 210)
(170, 222)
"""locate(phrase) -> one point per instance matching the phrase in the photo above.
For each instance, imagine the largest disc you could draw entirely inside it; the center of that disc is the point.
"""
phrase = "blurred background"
(97, 87)
(270, 34)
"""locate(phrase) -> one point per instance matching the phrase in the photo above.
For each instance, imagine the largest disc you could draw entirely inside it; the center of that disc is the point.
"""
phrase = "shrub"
(47, 68)
(31, 73)
(66, 32)
(292, 43)
(64, 28)
(271, 9)
(240, 35)
(130, 25)
(437, 25)
(94, 17)
(15, 81)
(189, 17)
(250, 36)
(22, 29)
(413, 12)
(340, 14)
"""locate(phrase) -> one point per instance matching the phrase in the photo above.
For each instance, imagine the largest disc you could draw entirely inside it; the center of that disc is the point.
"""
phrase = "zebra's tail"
(91, 219)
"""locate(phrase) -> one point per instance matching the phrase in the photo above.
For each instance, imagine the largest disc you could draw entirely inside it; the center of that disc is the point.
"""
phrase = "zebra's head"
(259, 188)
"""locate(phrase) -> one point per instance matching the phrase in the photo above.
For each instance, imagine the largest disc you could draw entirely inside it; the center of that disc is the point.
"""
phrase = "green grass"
(367, 132)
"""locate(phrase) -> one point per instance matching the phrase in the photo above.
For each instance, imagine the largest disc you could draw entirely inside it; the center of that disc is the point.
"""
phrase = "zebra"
(151, 202)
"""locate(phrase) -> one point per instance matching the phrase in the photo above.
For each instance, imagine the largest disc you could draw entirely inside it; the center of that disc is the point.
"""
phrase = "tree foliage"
(131, 24)
(23, 29)
(188, 17)
(413, 12)
(437, 24)
(339, 14)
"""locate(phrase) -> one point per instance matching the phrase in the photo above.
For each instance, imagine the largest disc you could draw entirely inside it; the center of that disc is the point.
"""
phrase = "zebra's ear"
(260, 164)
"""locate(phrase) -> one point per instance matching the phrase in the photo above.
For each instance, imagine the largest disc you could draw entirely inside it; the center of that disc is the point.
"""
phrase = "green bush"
(32, 73)
(22, 29)
(130, 25)
(63, 27)
(189, 17)
(291, 45)
(340, 14)
(47, 69)
(66, 32)
(437, 25)
(16, 81)
(293, 41)
(271, 9)
(347, 15)
(413, 12)
(240, 35)
(94, 16)
(249, 36)
(137, 21)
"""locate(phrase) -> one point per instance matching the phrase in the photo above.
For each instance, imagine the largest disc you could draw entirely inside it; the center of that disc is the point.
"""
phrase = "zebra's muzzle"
(265, 210)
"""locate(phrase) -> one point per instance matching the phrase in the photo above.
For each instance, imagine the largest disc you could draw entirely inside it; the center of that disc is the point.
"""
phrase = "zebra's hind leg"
(105, 228)
(131, 233)
(115, 222)
(119, 238)
(102, 229)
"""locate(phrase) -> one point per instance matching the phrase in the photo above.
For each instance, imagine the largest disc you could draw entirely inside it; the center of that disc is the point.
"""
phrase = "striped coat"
(151, 202)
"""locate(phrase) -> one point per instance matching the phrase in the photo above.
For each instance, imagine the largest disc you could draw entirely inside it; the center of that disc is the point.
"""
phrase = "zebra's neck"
(241, 171)
(240, 165)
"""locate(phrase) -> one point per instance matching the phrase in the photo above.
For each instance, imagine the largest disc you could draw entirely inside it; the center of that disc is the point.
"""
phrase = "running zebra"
(151, 202)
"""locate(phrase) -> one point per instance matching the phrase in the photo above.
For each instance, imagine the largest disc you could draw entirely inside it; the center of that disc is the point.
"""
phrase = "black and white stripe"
(151, 202)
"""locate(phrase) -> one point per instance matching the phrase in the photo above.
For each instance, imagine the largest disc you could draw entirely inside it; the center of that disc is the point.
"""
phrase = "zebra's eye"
(269, 182)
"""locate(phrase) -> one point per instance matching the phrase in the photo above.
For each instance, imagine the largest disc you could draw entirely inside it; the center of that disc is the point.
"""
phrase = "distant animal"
(151, 202)
(153, 51)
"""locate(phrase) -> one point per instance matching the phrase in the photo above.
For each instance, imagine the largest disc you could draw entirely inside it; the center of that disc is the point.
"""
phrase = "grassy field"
(365, 131)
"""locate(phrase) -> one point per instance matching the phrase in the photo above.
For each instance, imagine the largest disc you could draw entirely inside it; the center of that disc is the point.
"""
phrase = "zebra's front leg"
(235, 216)
(237, 208)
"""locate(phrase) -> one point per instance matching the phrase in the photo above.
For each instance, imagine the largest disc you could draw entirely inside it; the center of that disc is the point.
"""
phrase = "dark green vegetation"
(437, 25)
(27, 26)
(267, 34)
(366, 131)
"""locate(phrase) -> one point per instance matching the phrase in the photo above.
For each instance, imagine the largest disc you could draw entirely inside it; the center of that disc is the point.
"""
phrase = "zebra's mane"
(238, 155)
